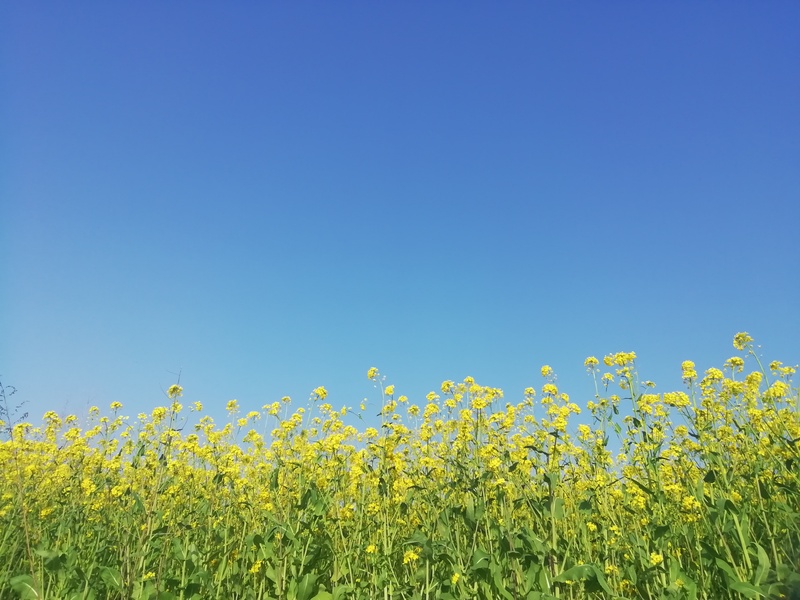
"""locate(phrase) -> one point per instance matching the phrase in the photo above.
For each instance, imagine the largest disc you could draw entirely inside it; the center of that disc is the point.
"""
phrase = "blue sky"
(269, 197)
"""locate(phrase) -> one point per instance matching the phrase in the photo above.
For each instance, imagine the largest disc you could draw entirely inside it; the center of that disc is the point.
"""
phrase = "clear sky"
(273, 196)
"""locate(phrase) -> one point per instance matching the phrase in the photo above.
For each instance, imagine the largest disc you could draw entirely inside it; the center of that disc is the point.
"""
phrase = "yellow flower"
(372, 549)
(741, 339)
(372, 373)
(690, 504)
(547, 370)
(735, 363)
(454, 579)
(410, 556)
(389, 390)
(688, 370)
(321, 393)
(656, 559)
(479, 403)
(591, 362)
(174, 391)
(256, 567)
(232, 406)
(677, 399)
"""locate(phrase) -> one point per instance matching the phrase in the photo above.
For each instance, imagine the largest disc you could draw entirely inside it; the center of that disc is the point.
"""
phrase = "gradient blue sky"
(274, 196)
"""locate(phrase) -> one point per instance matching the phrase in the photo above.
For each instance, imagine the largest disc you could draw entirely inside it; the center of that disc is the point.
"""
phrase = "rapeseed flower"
(465, 475)
(741, 340)
(656, 559)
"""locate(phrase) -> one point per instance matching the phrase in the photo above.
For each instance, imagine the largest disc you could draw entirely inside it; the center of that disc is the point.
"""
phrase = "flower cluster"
(693, 492)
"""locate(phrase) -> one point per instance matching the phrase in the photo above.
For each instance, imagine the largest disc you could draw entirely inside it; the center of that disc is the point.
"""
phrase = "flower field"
(693, 493)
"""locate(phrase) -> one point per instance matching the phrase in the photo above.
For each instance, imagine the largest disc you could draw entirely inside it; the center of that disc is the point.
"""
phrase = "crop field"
(693, 493)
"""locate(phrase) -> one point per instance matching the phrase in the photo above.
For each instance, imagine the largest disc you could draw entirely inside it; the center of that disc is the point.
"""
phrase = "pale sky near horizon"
(269, 197)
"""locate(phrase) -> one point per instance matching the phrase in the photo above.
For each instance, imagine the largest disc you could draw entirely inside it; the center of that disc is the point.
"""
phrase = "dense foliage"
(687, 494)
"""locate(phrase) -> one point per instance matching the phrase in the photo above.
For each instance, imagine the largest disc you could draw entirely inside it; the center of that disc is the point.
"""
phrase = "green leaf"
(480, 560)
(591, 574)
(23, 585)
(418, 538)
(783, 571)
(271, 573)
(660, 531)
(727, 505)
(727, 569)
(140, 591)
(340, 592)
(576, 573)
(499, 585)
(556, 507)
(469, 510)
(748, 590)
(642, 487)
(763, 565)
(111, 577)
(178, 551)
(763, 490)
(307, 586)
(55, 563)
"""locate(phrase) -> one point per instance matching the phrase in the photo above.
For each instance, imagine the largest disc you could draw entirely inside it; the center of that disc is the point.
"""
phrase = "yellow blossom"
(656, 559)
(689, 371)
(741, 339)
